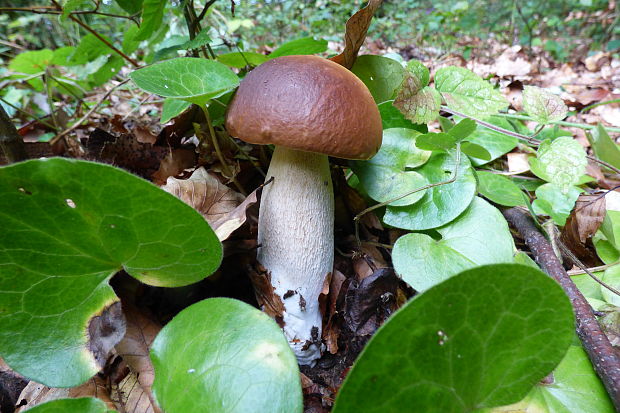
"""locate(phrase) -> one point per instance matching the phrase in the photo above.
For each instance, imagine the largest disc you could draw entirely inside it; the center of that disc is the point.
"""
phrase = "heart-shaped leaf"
(67, 227)
(442, 203)
(387, 175)
(480, 339)
(563, 161)
(543, 106)
(187, 78)
(222, 355)
(81, 405)
(466, 92)
(423, 262)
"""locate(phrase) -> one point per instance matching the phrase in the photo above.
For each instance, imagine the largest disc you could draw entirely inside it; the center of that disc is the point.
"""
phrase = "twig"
(53, 10)
(11, 143)
(592, 269)
(87, 115)
(600, 351)
(559, 122)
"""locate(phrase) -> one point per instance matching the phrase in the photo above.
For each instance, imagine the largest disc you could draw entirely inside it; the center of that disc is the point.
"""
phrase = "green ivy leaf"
(242, 59)
(67, 227)
(79, 405)
(152, 18)
(173, 108)
(387, 175)
(423, 262)
(604, 147)
(187, 78)
(552, 201)
(563, 161)
(233, 358)
(575, 389)
(306, 45)
(480, 339)
(496, 143)
(500, 189)
(381, 75)
(394, 118)
(440, 204)
(466, 92)
(543, 106)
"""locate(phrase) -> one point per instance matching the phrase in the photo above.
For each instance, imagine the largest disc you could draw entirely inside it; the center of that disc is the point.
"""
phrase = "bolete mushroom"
(309, 108)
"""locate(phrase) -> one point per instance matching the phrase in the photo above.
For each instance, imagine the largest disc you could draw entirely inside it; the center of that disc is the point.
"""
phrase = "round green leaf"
(500, 189)
(563, 161)
(67, 227)
(387, 176)
(575, 389)
(551, 201)
(496, 143)
(222, 355)
(440, 204)
(543, 106)
(188, 78)
(80, 405)
(391, 117)
(423, 262)
(480, 339)
(382, 75)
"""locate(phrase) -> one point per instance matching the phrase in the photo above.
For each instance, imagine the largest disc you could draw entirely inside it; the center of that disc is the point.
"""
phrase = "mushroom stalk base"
(296, 238)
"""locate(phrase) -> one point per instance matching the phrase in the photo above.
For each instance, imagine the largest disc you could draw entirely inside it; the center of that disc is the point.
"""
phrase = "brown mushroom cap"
(306, 103)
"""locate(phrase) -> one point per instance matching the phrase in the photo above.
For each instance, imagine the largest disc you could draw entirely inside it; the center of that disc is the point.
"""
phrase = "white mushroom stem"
(296, 238)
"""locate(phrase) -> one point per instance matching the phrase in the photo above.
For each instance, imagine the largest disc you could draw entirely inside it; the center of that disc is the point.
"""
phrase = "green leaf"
(107, 71)
(30, 63)
(419, 71)
(436, 141)
(475, 151)
(71, 5)
(152, 18)
(382, 75)
(418, 106)
(496, 143)
(130, 6)
(499, 189)
(440, 204)
(242, 59)
(79, 405)
(575, 389)
(543, 106)
(393, 118)
(306, 45)
(611, 277)
(463, 129)
(130, 44)
(387, 175)
(604, 147)
(423, 262)
(62, 56)
(563, 161)
(89, 49)
(480, 339)
(466, 92)
(67, 227)
(173, 108)
(553, 202)
(187, 78)
(611, 227)
(222, 355)
(200, 40)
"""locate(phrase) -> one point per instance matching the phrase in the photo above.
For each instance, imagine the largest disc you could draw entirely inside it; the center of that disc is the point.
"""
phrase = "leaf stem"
(559, 122)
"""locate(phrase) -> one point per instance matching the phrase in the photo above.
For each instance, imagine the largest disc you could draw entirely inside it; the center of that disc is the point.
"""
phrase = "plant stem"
(603, 356)
(11, 143)
(216, 145)
(559, 122)
(592, 106)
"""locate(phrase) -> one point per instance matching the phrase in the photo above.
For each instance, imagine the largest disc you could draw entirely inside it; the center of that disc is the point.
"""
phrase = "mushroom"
(309, 108)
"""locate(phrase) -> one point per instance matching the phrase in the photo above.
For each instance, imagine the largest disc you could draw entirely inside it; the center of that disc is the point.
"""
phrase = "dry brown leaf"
(35, 393)
(173, 164)
(518, 162)
(228, 223)
(582, 224)
(204, 193)
(355, 33)
(134, 391)
(144, 135)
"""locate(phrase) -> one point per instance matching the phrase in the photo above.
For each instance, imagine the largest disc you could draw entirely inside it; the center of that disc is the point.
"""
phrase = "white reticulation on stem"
(296, 238)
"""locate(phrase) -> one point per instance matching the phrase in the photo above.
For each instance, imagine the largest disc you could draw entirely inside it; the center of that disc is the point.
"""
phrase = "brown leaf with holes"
(355, 33)
(582, 224)
(35, 393)
(205, 193)
(134, 391)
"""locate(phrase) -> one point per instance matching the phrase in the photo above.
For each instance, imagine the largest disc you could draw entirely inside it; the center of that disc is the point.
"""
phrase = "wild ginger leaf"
(466, 92)
(543, 106)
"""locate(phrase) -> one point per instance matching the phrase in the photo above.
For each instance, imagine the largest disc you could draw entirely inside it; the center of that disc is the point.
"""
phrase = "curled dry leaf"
(582, 224)
(134, 391)
(205, 194)
(355, 33)
(35, 393)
